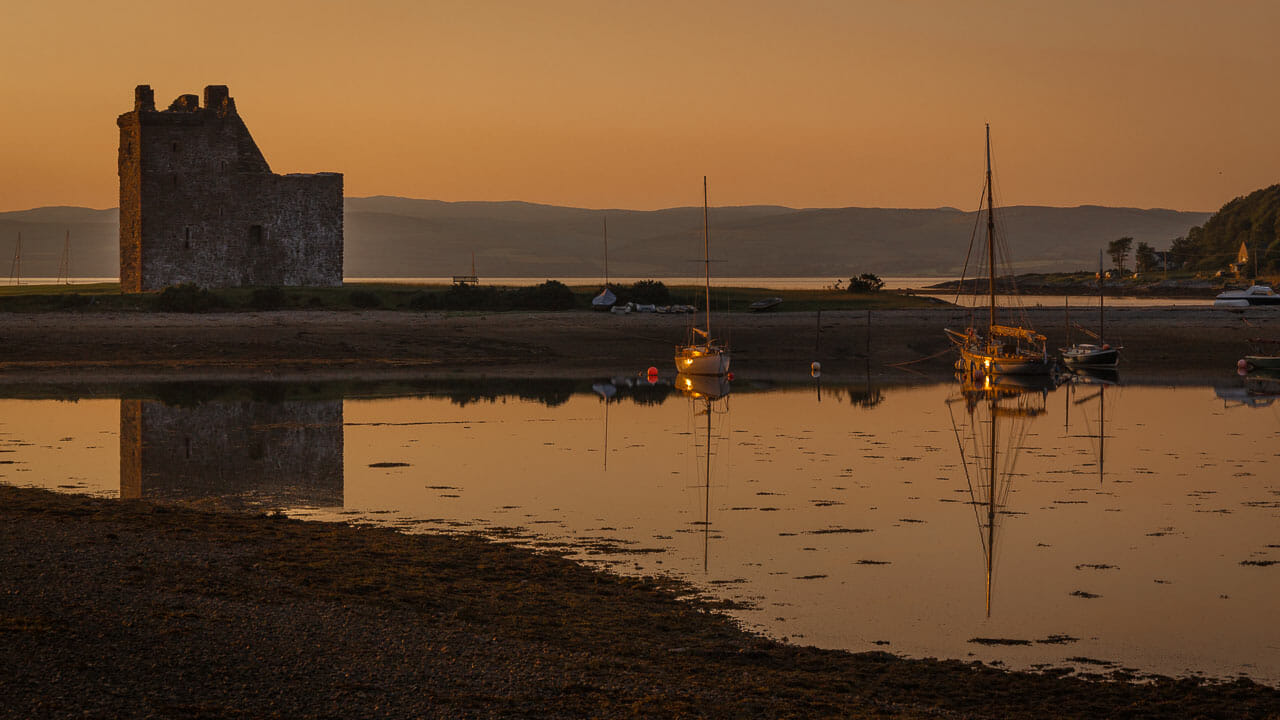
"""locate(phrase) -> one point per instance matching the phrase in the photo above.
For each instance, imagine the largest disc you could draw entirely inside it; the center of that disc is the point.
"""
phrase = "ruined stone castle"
(199, 204)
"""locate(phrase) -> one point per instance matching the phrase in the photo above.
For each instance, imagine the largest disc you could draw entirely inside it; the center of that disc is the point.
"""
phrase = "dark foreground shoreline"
(123, 609)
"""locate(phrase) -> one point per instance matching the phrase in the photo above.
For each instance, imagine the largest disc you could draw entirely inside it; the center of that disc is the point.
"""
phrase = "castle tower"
(199, 203)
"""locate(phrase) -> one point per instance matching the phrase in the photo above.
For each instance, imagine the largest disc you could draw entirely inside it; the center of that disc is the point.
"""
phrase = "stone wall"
(199, 203)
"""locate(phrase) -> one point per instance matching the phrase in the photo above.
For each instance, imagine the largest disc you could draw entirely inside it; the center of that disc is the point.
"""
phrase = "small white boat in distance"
(765, 304)
(1258, 295)
(604, 301)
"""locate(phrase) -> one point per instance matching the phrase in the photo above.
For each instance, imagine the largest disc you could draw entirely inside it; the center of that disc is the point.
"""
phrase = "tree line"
(1252, 220)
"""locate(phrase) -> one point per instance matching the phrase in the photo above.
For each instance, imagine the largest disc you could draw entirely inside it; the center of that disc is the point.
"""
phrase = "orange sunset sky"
(603, 104)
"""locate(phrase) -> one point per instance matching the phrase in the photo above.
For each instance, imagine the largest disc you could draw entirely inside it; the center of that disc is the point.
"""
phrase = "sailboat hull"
(978, 359)
(978, 363)
(702, 361)
(1085, 355)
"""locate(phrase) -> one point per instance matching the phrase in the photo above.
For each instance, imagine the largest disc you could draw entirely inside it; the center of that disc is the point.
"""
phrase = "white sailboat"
(606, 299)
(703, 354)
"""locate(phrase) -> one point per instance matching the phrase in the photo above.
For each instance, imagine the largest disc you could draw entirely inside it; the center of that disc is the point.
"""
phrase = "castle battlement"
(199, 203)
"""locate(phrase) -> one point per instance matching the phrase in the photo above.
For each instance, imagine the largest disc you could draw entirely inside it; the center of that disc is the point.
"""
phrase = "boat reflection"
(708, 396)
(1084, 379)
(1259, 389)
(243, 453)
(1263, 384)
(988, 455)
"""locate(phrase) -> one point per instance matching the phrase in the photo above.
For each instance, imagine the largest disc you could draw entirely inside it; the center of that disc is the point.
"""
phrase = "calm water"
(1118, 526)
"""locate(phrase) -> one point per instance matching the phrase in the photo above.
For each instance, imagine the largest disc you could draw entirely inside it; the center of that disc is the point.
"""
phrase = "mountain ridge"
(394, 236)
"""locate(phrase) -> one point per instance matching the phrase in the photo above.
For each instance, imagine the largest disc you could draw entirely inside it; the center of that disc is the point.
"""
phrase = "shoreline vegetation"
(1147, 285)
(556, 295)
(134, 609)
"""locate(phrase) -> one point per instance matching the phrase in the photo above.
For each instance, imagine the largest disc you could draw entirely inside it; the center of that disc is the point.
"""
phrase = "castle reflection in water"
(247, 452)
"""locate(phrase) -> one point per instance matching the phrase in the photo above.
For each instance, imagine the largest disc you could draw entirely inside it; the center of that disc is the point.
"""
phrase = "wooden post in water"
(868, 351)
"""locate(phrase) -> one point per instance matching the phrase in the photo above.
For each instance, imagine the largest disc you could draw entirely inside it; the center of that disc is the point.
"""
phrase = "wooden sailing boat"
(998, 349)
(606, 299)
(702, 354)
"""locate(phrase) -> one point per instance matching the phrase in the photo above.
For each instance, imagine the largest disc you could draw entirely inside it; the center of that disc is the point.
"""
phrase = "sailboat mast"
(606, 251)
(991, 239)
(706, 253)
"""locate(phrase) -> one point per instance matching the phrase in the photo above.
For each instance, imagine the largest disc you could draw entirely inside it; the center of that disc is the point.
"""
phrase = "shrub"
(649, 292)
(470, 297)
(550, 295)
(865, 283)
(187, 298)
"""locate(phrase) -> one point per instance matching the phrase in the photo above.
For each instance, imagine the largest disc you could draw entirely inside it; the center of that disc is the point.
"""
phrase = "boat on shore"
(997, 348)
(1094, 354)
(765, 304)
(703, 354)
(606, 299)
(1255, 296)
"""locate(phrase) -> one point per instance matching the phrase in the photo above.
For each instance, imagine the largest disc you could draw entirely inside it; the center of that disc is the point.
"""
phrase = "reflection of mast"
(706, 500)
(1101, 378)
(987, 400)
(606, 391)
(706, 390)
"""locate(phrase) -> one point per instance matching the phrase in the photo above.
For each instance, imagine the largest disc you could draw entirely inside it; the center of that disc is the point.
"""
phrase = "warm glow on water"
(843, 517)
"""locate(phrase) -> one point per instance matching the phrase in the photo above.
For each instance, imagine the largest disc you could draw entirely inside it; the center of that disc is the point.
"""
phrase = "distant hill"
(403, 237)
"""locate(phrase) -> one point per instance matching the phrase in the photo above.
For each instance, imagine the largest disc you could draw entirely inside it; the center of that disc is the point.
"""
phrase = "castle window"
(175, 147)
(255, 234)
(175, 182)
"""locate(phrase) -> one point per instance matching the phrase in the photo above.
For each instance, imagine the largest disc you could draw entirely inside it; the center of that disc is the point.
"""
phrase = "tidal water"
(1093, 525)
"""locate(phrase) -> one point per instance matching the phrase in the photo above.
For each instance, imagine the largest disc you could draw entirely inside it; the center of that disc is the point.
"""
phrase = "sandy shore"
(124, 609)
(886, 345)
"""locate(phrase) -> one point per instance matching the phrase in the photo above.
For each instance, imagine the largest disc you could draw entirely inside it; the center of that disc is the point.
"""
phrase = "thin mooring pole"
(868, 335)
(15, 270)
(817, 333)
(64, 267)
